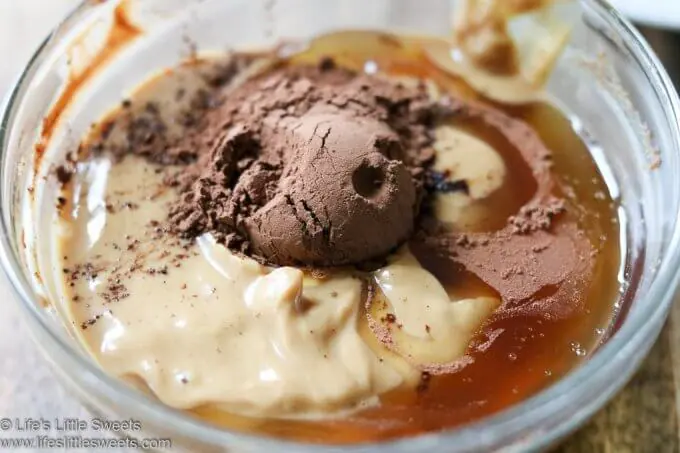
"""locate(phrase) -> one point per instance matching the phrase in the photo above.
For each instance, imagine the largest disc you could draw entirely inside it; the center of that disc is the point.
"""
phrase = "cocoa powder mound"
(322, 166)
(315, 166)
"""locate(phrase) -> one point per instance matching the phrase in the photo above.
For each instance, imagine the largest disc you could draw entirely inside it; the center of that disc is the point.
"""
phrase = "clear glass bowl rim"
(510, 424)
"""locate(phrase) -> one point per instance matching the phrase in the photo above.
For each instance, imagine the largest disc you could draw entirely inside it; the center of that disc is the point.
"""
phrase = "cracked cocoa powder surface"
(311, 166)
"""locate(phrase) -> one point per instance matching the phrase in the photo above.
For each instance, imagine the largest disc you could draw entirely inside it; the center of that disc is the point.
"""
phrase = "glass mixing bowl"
(608, 81)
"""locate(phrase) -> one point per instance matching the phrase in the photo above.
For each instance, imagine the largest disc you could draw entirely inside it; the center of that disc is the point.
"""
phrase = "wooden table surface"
(642, 418)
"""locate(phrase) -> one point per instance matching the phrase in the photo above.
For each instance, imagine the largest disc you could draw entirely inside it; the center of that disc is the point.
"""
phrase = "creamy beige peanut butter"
(224, 330)
(466, 157)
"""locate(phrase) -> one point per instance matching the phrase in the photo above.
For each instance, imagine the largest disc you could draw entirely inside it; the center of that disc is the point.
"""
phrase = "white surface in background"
(23, 26)
(662, 13)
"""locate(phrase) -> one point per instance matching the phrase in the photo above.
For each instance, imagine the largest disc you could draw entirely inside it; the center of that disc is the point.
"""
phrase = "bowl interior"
(607, 81)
